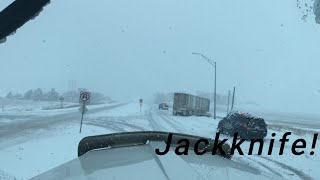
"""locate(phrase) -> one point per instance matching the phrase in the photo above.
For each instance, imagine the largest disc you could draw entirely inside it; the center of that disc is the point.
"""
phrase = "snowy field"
(24, 108)
(26, 155)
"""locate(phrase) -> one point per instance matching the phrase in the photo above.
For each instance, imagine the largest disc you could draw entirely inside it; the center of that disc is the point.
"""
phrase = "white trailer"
(187, 105)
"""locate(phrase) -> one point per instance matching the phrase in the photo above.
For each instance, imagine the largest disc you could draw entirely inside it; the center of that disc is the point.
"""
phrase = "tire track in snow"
(299, 173)
(274, 171)
(154, 124)
(172, 123)
(260, 160)
(202, 128)
(116, 124)
(111, 128)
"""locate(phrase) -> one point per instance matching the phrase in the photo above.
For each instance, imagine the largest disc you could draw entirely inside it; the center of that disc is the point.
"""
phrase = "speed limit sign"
(85, 97)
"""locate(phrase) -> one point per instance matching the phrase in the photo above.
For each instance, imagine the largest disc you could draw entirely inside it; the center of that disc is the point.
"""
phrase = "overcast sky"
(128, 48)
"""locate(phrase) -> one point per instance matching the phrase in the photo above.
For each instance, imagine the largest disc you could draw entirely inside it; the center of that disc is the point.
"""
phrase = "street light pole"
(215, 89)
(229, 94)
(214, 64)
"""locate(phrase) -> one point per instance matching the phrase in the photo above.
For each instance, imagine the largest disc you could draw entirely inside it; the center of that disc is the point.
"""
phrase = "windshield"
(230, 70)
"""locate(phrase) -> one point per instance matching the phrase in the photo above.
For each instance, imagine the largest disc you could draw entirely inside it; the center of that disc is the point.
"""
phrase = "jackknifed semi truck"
(188, 105)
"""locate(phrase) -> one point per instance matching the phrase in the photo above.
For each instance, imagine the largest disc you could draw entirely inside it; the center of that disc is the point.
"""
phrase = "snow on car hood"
(141, 162)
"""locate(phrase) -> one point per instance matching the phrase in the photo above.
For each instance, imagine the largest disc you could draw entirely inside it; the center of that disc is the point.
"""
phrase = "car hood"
(141, 162)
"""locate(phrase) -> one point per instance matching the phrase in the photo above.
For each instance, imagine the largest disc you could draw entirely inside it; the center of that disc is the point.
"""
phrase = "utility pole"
(229, 94)
(214, 64)
(215, 89)
(234, 91)
(141, 102)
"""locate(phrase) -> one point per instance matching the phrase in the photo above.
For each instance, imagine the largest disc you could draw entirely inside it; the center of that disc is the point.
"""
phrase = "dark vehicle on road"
(246, 125)
(163, 106)
(187, 105)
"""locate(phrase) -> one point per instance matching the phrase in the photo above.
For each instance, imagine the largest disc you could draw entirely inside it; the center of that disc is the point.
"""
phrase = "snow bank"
(44, 150)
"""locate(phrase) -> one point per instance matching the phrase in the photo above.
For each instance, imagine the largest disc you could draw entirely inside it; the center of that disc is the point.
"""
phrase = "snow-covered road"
(27, 124)
(54, 141)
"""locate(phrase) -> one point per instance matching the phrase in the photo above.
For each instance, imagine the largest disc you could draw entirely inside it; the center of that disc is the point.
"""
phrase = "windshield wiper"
(17, 14)
(125, 139)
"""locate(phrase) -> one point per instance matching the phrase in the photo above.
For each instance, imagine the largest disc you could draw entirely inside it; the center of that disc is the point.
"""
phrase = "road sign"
(85, 97)
(61, 99)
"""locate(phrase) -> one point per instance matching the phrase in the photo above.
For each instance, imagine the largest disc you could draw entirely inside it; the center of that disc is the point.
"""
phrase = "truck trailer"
(188, 105)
